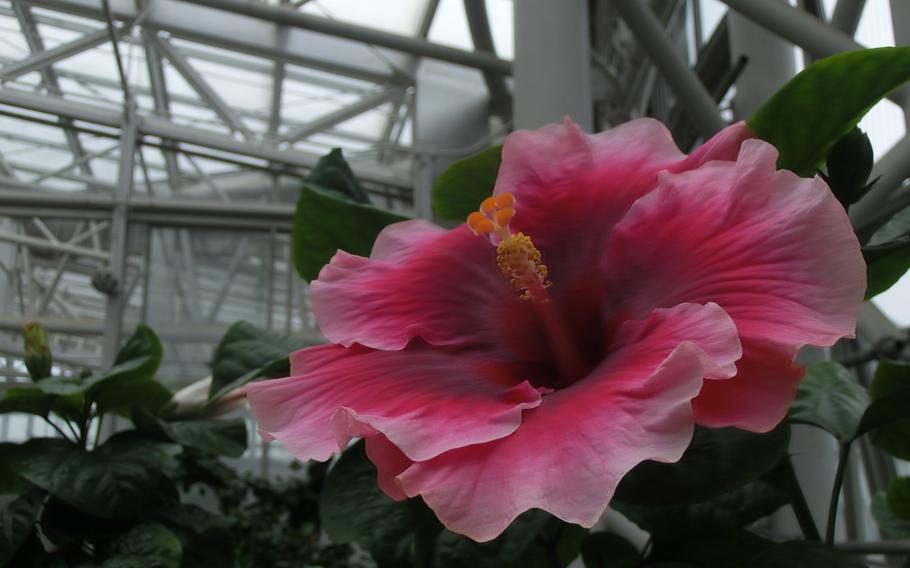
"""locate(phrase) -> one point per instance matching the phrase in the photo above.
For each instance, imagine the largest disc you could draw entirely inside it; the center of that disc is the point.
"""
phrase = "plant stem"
(98, 430)
(835, 492)
(57, 428)
(798, 502)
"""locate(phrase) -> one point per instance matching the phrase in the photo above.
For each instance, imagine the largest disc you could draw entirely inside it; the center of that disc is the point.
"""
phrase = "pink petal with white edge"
(570, 453)
(776, 251)
(758, 398)
(572, 187)
(424, 401)
(421, 281)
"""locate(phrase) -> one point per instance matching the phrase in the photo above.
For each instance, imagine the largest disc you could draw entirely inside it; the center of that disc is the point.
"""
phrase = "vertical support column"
(900, 22)
(116, 301)
(451, 122)
(552, 69)
(770, 63)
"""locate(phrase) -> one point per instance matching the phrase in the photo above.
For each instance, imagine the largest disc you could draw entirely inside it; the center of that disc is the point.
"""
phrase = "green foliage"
(333, 175)
(333, 213)
(886, 263)
(462, 186)
(271, 523)
(848, 167)
(716, 462)
(726, 512)
(830, 397)
(887, 415)
(891, 525)
(28, 401)
(353, 509)
(730, 549)
(145, 545)
(246, 353)
(117, 480)
(135, 364)
(17, 519)
(888, 253)
(815, 109)
(805, 554)
(607, 550)
(456, 551)
(899, 497)
(219, 437)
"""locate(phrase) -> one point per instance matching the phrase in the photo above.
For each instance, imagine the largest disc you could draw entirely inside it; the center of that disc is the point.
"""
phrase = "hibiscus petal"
(760, 395)
(776, 251)
(389, 462)
(570, 453)
(424, 401)
(571, 188)
(421, 281)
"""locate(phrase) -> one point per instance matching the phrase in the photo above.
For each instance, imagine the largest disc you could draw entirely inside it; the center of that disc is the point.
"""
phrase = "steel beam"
(49, 78)
(406, 44)
(686, 85)
(154, 126)
(199, 84)
(846, 15)
(889, 195)
(345, 113)
(116, 301)
(479, 24)
(802, 29)
(235, 32)
(40, 59)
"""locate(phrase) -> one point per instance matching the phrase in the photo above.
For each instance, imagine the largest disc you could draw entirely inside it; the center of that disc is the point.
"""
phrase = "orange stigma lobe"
(516, 256)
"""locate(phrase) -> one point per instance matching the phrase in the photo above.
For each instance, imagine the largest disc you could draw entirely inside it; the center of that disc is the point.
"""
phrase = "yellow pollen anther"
(519, 261)
(517, 257)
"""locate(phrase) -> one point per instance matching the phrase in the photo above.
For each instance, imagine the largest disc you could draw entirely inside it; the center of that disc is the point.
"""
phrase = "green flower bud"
(37, 352)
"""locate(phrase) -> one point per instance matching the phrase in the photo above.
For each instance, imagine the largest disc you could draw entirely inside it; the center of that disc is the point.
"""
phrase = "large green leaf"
(806, 117)
(717, 461)
(353, 509)
(887, 417)
(10, 481)
(117, 480)
(28, 401)
(890, 524)
(886, 263)
(333, 213)
(805, 554)
(898, 225)
(246, 352)
(220, 437)
(17, 520)
(332, 174)
(145, 545)
(459, 190)
(136, 362)
(325, 224)
(728, 511)
(608, 550)
(830, 397)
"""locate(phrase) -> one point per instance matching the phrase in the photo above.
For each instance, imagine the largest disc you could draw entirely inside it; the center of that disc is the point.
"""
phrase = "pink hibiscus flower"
(619, 293)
